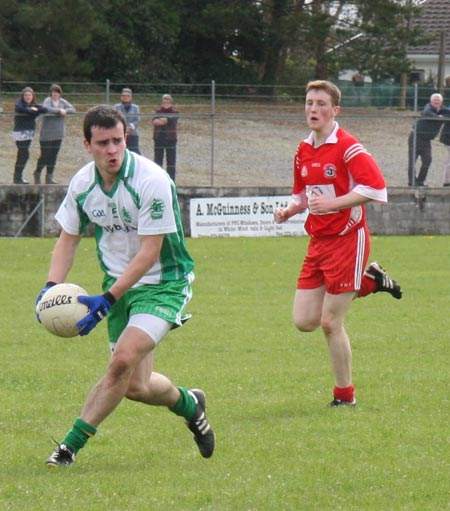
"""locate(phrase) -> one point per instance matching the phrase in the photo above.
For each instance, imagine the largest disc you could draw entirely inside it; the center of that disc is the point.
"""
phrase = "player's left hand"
(99, 306)
(318, 204)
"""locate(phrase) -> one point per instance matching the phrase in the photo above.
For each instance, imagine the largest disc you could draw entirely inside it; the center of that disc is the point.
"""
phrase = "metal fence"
(368, 94)
(227, 139)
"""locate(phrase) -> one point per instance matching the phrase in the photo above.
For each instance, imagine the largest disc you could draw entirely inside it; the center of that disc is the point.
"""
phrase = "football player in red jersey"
(334, 176)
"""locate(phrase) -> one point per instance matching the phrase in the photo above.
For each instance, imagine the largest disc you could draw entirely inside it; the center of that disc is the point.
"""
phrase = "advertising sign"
(242, 216)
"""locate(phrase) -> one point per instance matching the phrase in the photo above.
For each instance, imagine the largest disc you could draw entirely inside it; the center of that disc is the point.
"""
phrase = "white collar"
(331, 139)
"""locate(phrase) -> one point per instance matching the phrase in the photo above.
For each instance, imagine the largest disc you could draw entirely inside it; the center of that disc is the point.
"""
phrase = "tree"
(302, 36)
(330, 24)
(388, 21)
(40, 39)
(237, 41)
(134, 41)
(220, 40)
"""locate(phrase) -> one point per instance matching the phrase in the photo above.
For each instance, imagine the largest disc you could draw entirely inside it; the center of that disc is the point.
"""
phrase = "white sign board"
(242, 216)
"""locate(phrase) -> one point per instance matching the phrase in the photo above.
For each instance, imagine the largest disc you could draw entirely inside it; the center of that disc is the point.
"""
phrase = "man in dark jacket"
(422, 133)
(444, 138)
(165, 135)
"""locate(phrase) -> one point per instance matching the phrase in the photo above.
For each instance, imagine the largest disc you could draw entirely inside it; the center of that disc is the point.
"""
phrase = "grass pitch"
(278, 446)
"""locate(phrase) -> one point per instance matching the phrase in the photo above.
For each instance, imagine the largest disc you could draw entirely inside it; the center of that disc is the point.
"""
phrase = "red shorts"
(338, 262)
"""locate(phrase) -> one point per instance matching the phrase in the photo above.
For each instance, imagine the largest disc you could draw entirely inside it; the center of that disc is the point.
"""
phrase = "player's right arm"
(63, 256)
(281, 215)
(298, 205)
(299, 200)
(61, 262)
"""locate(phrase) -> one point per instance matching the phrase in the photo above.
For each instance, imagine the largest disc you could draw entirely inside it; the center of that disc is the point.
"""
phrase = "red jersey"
(335, 168)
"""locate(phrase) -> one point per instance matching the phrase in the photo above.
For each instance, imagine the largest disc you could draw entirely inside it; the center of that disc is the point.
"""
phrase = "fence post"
(412, 155)
(42, 215)
(40, 205)
(108, 86)
(416, 99)
(213, 120)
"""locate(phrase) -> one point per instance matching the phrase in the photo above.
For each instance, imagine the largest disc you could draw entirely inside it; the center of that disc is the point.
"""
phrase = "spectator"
(419, 140)
(26, 110)
(444, 138)
(52, 133)
(165, 135)
(133, 116)
(334, 177)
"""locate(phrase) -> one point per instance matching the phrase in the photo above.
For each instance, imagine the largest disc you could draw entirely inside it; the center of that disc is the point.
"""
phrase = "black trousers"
(49, 154)
(23, 154)
(170, 150)
(133, 143)
(422, 149)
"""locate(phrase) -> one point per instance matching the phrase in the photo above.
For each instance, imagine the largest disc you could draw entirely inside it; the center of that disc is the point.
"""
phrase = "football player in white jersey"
(133, 206)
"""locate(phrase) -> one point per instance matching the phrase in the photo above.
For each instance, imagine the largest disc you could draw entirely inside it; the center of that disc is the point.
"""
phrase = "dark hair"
(28, 89)
(56, 88)
(102, 116)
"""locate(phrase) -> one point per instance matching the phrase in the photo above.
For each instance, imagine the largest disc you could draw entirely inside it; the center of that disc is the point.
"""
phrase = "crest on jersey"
(126, 215)
(157, 209)
(304, 171)
(329, 171)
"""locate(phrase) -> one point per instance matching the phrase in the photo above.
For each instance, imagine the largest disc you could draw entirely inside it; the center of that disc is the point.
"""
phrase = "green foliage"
(194, 41)
(136, 40)
(41, 39)
(219, 40)
(278, 445)
(388, 21)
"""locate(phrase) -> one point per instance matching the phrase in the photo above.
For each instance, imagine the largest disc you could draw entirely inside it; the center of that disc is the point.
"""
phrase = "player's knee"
(135, 393)
(120, 367)
(330, 325)
(306, 324)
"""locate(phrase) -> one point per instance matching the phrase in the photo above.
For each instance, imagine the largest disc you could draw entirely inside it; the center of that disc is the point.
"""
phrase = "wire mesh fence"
(245, 137)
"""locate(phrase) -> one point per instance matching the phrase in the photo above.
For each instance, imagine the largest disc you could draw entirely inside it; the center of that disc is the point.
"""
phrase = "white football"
(59, 310)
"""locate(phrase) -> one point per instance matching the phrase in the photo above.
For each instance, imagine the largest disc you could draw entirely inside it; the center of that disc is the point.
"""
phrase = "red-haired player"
(334, 176)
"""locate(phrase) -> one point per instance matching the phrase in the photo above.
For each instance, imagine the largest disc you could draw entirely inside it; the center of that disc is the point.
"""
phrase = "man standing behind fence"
(444, 138)
(132, 115)
(165, 135)
(419, 141)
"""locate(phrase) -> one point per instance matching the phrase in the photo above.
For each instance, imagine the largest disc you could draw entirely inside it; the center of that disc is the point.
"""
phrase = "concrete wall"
(28, 210)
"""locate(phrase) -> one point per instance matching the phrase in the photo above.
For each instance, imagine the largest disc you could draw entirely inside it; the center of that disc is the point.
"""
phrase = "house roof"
(433, 20)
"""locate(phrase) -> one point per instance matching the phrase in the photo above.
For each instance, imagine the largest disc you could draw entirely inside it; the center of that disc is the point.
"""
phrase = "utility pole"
(441, 64)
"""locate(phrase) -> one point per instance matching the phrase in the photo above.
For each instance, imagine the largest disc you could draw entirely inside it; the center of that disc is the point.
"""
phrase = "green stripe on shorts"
(166, 300)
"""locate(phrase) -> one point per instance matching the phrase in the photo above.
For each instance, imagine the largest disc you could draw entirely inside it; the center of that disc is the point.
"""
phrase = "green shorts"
(166, 300)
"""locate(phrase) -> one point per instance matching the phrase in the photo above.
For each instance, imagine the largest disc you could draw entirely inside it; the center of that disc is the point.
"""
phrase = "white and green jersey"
(143, 201)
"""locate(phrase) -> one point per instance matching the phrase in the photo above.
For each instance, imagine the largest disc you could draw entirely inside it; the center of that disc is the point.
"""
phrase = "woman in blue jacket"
(24, 128)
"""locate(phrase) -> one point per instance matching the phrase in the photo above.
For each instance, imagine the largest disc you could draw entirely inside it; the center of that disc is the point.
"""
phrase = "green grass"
(278, 446)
